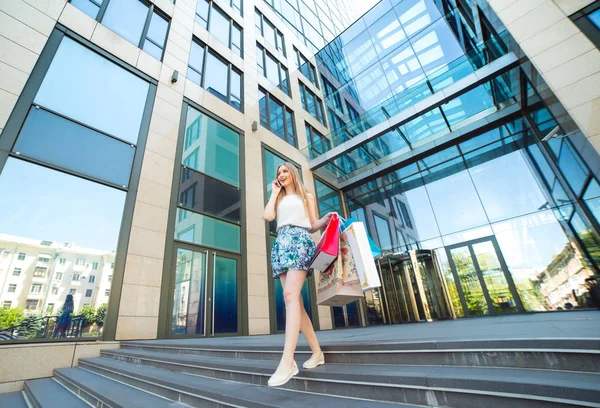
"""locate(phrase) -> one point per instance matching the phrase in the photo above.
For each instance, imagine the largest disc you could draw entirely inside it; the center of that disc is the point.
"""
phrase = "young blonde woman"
(296, 212)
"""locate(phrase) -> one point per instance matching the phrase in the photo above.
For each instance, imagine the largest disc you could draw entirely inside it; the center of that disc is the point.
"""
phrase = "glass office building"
(138, 141)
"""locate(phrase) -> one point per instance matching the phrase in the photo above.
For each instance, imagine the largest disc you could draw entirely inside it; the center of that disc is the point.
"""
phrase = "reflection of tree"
(454, 296)
(470, 283)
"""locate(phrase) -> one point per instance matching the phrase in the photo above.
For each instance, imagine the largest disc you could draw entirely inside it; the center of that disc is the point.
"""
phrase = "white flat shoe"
(314, 361)
(277, 380)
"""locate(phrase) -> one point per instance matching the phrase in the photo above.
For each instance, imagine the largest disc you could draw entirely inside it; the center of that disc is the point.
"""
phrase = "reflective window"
(220, 25)
(90, 74)
(225, 293)
(140, 23)
(269, 31)
(58, 141)
(217, 76)
(317, 143)
(89, 7)
(328, 198)
(383, 232)
(75, 205)
(272, 117)
(306, 67)
(189, 313)
(311, 103)
(331, 94)
(272, 69)
(203, 230)
(208, 145)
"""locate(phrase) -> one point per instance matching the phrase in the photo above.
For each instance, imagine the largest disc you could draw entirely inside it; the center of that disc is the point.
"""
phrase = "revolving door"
(412, 290)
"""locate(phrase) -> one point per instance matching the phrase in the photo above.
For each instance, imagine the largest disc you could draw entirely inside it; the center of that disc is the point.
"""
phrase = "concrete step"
(202, 391)
(47, 393)
(554, 354)
(102, 391)
(421, 385)
(13, 399)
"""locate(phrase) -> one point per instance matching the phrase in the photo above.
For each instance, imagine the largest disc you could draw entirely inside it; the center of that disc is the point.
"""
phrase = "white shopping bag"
(363, 257)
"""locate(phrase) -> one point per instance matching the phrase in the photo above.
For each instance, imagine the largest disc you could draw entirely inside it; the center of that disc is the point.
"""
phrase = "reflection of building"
(37, 275)
(562, 282)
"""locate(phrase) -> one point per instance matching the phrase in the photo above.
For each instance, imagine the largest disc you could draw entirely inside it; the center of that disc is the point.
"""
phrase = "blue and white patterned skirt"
(292, 250)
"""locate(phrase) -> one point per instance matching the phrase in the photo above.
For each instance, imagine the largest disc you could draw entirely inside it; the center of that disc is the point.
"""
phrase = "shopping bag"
(328, 246)
(356, 234)
(339, 284)
(374, 250)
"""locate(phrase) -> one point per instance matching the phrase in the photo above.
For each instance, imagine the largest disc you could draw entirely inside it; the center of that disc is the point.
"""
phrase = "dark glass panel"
(225, 317)
(207, 195)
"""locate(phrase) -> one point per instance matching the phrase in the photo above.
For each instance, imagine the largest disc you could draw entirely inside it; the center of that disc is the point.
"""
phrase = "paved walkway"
(556, 325)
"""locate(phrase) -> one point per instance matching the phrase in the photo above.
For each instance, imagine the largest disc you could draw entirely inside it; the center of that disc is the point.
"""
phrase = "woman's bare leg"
(306, 326)
(292, 284)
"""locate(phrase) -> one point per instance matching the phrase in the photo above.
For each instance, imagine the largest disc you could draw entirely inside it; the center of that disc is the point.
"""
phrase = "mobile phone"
(278, 183)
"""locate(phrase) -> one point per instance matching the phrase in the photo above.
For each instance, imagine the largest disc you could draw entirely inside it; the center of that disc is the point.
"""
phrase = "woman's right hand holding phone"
(275, 187)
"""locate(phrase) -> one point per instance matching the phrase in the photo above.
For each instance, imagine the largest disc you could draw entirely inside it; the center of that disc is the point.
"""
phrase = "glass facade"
(64, 187)
(220, 25)
(277, 117)
(208, 230)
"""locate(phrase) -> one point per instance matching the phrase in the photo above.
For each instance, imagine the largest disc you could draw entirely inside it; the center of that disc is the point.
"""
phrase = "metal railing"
(44, 327)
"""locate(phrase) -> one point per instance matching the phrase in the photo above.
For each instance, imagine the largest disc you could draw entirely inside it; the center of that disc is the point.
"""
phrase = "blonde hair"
(296, 182)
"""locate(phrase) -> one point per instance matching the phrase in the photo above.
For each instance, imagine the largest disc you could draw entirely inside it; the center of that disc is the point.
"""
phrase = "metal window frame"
(285, 108)
(588, 28)
(12, 130)
(280, 67)
(143, 36)
(230, 67)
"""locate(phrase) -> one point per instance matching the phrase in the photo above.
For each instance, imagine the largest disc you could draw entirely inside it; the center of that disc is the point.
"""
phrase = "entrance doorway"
(205, 297)
(412, 290)
(483, 281)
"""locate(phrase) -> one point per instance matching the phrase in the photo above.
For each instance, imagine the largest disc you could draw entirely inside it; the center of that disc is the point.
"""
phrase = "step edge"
(378, 384)
(158, 359)
(398, 351)
(241, 406)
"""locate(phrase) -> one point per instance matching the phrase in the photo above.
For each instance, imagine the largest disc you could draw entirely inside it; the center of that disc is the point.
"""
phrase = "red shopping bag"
(328, 246)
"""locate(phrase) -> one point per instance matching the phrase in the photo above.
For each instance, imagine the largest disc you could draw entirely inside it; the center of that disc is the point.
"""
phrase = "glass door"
(483, 280)
(206, 296)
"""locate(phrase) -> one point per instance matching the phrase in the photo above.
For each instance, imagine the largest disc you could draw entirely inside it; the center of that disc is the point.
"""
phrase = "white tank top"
(290, 211)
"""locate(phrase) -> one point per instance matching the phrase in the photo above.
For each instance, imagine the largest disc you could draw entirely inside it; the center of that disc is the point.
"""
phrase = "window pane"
(153, 50)
(383, 232)
(236, 40)
(84, 86)
(49, 205)
(211, 148)
(196, 62)
(262, 103)
(87, 7)
(289, 118)
(328, 199)
(236, 90)
(215, 80)
(272, 70)
(269, 32)
(225, 302)
(276, 118)
(202, 13)
(207, 195)
(189, 293)
(157, 31)
(55, 140)
(202, 230)
(219, 26)
(595, 18)
(126, 18)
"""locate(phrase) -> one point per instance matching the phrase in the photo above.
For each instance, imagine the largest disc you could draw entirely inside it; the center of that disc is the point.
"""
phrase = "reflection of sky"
(39, 203)
(502, 191)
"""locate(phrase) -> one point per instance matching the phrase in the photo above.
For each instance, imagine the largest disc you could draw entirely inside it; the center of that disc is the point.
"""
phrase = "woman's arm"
(270, 213)
(316, 224)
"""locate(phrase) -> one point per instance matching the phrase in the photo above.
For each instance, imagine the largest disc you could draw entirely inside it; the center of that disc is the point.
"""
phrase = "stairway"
(233, 372)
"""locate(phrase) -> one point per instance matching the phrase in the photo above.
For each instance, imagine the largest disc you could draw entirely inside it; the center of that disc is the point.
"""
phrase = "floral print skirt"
(292, 250)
